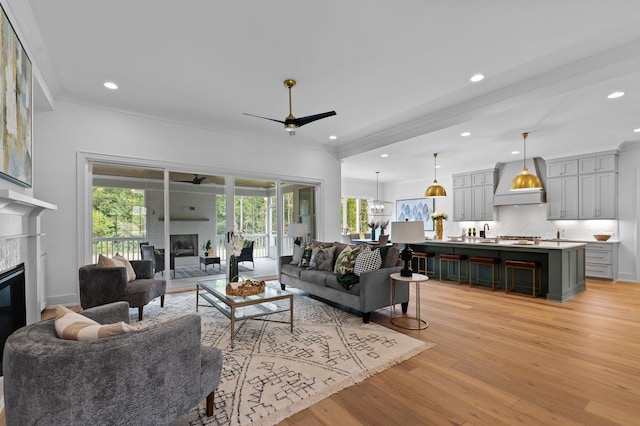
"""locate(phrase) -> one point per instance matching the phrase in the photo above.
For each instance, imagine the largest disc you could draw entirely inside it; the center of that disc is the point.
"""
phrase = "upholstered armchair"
(99, 286)
(246, 255)
(140, 377)
(159, 261)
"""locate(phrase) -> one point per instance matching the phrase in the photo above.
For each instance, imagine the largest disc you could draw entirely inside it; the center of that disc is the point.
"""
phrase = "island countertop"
(562, 262)
(509, 244)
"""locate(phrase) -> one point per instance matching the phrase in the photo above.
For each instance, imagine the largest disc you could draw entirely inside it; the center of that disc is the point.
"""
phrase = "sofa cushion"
(73, 326)
(322, 259)
(368, 260)
(306, 255)
(390, 256)
(117, 261)
(131, 273)
(347, 259)
(332, 282)
(315, 277)
(291, 270)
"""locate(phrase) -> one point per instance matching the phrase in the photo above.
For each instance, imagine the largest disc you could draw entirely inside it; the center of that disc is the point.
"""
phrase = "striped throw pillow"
(117, 261)
(73, 326)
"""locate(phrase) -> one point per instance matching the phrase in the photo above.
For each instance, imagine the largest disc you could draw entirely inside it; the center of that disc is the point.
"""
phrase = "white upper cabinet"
(562, 168)
(600, 163)
(473, 195)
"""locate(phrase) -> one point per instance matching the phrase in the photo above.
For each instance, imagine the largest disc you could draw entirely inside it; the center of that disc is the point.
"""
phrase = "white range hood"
(507, 171)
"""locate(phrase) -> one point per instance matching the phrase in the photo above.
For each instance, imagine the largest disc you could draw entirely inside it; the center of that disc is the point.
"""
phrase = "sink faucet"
(485, 228)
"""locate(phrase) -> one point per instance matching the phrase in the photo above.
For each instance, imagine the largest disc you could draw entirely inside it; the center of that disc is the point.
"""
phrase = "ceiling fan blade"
(266, 118)
(311, 118)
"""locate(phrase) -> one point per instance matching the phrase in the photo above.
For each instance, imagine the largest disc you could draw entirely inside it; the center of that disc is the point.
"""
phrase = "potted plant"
(207, 248)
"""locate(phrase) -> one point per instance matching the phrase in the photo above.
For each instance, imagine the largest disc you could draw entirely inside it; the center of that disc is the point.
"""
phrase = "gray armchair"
(141, 377)
(99, 286)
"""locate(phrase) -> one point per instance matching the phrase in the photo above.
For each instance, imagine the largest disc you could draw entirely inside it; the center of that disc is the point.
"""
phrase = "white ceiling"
(397, 73)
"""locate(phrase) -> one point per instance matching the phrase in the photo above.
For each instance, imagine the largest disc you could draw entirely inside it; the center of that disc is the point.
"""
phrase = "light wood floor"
(504, 360)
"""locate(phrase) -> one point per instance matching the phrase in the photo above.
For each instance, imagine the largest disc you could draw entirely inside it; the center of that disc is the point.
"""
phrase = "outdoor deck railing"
(129, 247)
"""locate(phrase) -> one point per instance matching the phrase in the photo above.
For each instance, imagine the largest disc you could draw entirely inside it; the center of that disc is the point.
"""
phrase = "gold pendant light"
(436, 190)
(525, 180)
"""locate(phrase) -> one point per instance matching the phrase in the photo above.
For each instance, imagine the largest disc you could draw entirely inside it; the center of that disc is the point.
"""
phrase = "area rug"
(272, 373)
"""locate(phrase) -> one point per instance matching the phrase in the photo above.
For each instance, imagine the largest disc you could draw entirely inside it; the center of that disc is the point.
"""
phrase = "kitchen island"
(563, 271)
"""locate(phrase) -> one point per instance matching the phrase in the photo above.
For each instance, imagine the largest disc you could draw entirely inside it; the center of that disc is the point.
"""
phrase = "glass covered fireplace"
(13, 308)
(184, 244)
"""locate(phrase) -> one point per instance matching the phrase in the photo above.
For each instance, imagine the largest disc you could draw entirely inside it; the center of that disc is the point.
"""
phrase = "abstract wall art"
(16, 106)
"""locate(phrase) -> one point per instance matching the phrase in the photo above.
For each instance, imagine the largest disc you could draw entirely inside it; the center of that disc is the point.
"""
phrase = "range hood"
(507, 171)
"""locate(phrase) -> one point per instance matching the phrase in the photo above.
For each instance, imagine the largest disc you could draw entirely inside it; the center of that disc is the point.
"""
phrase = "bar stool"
(455, 259)
(423, 258)
(484, 261)
(532, 266)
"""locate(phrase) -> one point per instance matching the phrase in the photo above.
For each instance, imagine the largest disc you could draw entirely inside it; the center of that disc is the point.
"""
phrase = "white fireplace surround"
(21, 241)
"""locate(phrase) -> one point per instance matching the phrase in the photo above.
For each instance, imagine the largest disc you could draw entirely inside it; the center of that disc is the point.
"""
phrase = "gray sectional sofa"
(370, 293)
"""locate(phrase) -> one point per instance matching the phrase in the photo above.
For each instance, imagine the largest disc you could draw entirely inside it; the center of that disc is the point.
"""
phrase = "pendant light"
(436, 190)
(525, 180)
(377, 206)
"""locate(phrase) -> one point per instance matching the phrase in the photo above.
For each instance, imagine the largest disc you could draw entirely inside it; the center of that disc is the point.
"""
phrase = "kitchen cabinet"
(462, 181)
(473, 195)
(597, 196)
(600, 163)
(601, 260)
(462, 199)
(583, 187)
(562, 198)
(562, 168)
(482, 202)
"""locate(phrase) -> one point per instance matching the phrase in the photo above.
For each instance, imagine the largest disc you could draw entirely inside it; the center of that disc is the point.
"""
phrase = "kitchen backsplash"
(531, 220)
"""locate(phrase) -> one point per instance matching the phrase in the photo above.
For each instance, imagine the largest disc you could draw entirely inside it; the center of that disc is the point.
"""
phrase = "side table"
(210, 260)
(398, 321)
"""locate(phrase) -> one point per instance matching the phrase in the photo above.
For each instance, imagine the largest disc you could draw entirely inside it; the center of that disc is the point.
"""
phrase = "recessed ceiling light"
(465, 134)
(615, 95)
(333, 137)
(515, 152)
(110, 85)
(384, 155)
(637, 130)
(437, 167)
(477, 77)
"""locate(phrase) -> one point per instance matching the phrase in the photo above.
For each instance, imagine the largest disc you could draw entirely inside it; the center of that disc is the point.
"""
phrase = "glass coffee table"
(241, 308)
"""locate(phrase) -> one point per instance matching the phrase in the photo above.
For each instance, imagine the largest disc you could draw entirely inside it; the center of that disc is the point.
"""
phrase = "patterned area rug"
(272, 373)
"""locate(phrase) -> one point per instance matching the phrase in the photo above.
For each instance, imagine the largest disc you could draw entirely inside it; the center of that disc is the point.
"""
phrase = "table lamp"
(407, 233)
(297, 230)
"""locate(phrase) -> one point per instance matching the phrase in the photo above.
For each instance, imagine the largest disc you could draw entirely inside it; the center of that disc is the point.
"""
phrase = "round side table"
(405, 321)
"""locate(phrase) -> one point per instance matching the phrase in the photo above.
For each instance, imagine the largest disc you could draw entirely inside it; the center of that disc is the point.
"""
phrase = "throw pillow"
(297, 255)
(367, 261)
(306, 255)
(347, 259)
(323, 259)
(117, 261)
(131, 273)
(73, 326)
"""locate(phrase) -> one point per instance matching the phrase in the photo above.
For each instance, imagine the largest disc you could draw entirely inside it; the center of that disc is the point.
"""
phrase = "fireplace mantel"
(12, 202)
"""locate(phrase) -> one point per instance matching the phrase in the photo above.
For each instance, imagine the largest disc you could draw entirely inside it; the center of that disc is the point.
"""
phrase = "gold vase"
(438, 223)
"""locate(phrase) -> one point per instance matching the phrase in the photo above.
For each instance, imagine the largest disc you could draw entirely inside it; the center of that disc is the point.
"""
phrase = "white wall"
(72, 128)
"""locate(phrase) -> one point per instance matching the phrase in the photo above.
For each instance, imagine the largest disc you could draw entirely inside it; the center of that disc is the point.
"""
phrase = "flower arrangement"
(373, 225)
(384, 224)
(235, 244)
(439, 216)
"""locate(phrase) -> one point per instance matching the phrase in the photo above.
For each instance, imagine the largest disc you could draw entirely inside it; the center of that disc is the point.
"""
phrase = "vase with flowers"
(383, 226)
(437, 218)
(373, 225)
(235, 243)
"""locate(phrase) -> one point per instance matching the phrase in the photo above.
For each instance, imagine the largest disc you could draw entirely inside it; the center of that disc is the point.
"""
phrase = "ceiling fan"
(196, 180)
(291, 123)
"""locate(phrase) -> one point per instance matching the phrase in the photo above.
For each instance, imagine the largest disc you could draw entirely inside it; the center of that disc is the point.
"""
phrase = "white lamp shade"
(297, 230)
(407, 232)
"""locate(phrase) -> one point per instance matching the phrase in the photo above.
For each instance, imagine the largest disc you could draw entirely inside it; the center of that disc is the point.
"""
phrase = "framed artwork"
(16, 104)
(416, 209)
